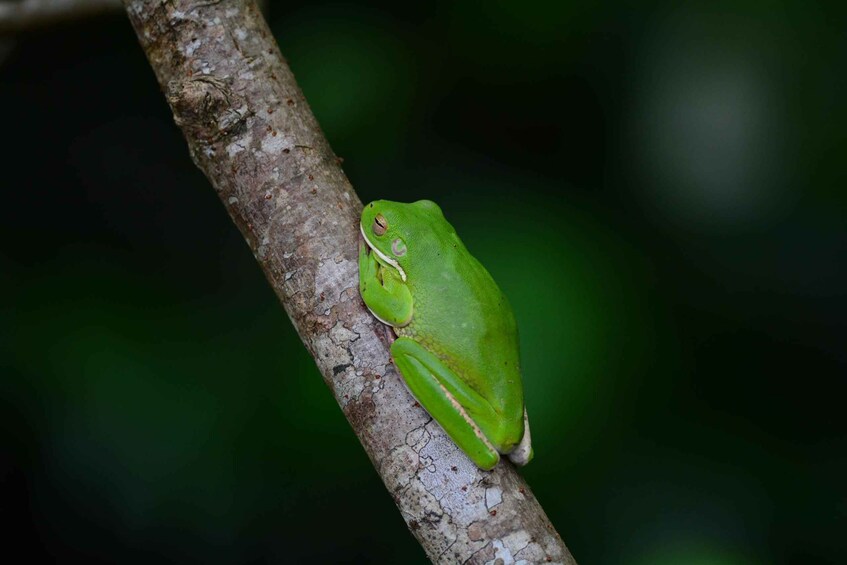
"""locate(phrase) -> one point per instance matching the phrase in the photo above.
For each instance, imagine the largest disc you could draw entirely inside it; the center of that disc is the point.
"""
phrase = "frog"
(454, 337)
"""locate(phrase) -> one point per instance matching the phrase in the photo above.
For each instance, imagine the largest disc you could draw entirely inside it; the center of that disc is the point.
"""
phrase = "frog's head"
(396, 231)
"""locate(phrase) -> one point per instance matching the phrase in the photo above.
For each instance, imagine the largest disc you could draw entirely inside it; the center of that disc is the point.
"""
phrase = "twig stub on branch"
(205, 107)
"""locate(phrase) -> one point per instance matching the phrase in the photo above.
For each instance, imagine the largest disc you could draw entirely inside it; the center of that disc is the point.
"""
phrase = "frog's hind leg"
(446, 398)
(522, 454)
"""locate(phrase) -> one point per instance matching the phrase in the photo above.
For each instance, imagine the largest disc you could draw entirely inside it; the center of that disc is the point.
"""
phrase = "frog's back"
(461, 314)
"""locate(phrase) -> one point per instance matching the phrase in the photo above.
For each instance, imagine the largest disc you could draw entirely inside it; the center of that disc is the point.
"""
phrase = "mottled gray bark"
(250, 130)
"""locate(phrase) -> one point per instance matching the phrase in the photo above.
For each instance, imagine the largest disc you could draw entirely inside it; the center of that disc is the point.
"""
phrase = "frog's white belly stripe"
(383, 256)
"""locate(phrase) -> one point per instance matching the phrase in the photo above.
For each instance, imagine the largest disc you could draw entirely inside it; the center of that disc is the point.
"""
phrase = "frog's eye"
(380, 224)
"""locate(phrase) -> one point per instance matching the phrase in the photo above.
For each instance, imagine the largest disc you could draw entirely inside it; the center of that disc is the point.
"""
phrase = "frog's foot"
(384, 294)
(522, 454)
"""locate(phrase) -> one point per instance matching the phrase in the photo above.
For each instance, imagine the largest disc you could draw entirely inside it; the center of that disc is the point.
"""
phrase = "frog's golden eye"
(380, 224)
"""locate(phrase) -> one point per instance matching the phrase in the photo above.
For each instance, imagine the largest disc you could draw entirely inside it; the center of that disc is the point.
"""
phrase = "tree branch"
(25, 15)
(251, 131)
(30, 14)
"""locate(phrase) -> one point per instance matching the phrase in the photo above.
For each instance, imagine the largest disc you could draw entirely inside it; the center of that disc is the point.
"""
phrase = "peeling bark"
(251, 131)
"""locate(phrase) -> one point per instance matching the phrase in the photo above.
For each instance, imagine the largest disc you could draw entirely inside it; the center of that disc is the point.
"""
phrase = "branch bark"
(251, 131)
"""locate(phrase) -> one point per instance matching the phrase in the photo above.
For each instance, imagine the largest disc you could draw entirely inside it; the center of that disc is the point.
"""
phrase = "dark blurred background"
(659, 190)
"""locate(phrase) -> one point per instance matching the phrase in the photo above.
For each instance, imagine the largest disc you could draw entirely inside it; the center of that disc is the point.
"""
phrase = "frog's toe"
(522, 453)
(521, 457)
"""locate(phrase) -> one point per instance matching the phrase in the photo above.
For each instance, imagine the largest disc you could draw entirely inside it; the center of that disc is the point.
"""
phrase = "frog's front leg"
(383, 291)
(460, 410)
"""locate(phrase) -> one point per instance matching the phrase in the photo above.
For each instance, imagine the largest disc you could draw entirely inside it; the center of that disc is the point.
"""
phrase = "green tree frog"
(456, 340)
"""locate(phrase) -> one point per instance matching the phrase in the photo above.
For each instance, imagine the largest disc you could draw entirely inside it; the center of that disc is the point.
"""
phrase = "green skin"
(457, 344)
